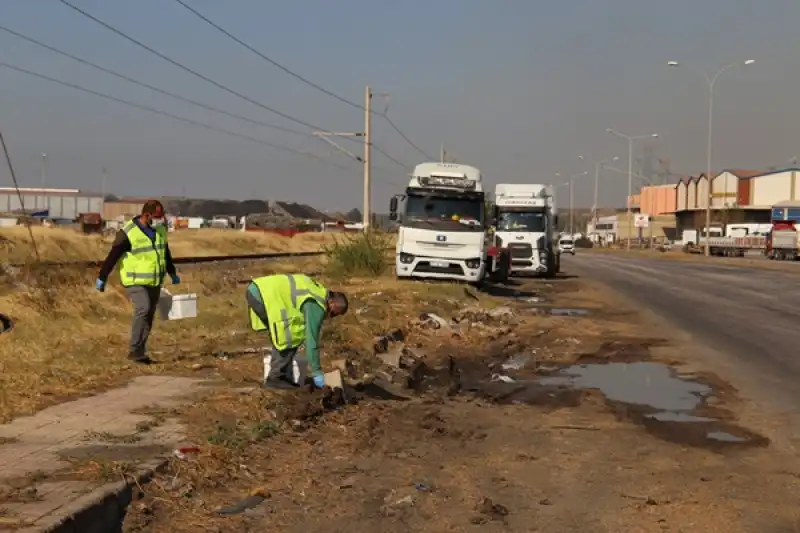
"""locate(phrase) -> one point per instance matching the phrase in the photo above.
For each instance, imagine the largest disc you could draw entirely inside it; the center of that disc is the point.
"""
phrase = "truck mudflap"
(499, 260)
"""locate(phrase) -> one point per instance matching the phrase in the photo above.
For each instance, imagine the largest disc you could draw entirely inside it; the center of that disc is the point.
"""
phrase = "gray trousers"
(278, 363)
(145, 303)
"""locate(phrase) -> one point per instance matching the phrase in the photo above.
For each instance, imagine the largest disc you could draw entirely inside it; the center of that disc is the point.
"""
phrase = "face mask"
(157, 222)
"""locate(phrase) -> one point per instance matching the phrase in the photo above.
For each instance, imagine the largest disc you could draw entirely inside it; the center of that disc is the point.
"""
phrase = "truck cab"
(525, 222)
(443, 231)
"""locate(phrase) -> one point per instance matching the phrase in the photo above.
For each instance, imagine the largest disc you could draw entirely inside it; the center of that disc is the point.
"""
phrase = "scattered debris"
(490, 511)
(422, 487)
(255, 499)
(180, 453)
(504, 379)
(225, 355)
(516, 362)
(432, 321)
(381, 344)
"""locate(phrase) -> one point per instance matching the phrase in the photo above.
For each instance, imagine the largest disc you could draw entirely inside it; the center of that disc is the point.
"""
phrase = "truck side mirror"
(555, 220)
(393, 205)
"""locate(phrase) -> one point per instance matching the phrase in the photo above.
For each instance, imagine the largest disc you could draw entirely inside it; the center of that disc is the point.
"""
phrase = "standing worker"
(292, 308)
(146, 259)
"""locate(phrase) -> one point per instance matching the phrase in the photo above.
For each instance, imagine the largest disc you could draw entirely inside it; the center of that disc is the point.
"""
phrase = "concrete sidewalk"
(35, 489)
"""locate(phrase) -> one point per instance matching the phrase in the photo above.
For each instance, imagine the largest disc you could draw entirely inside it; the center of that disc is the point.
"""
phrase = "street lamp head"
(749, 61)
(672, 63)
(615, 159)
(609, 130)
(580, 158)
(654, 135)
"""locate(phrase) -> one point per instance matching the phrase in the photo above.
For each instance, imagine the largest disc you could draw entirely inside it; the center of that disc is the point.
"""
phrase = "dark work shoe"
(280, 383)
(141, 359)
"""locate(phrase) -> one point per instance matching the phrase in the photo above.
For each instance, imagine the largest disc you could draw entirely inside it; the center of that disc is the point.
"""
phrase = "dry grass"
(58, 244)
(70, 340)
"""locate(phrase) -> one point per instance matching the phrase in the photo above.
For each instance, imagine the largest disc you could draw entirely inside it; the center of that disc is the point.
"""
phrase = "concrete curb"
(100, 511)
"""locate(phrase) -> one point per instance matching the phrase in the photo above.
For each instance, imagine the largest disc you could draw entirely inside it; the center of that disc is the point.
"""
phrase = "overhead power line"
(187, 69)
(166, 92)
(166, 114)
(297, 76)
(183, 119)
(268, 59)
(151, 87)
(405, 138)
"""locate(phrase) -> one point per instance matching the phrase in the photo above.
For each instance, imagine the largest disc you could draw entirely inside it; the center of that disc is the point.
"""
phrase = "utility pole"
(103, 183)
(44, 170)
(442, 154)
(366, 159)
(367, 215)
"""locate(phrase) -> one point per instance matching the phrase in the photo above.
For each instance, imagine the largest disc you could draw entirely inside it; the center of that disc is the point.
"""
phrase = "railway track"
(178, 260)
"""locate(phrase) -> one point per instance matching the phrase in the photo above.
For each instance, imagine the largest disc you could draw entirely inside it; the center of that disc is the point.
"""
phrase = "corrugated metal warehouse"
(122, 208)
(62, 203)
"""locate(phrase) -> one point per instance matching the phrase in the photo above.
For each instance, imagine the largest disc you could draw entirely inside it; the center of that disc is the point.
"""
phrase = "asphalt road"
(750, 318)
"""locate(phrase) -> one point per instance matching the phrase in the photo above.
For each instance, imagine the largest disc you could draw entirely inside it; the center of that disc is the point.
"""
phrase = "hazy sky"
(518, 88)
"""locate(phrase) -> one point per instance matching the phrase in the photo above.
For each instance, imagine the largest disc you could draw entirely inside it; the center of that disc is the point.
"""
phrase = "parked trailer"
(782, 241)
(733, 246)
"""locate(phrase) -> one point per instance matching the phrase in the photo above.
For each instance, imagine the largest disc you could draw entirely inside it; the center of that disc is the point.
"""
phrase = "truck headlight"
(473, 263)
(406, 258)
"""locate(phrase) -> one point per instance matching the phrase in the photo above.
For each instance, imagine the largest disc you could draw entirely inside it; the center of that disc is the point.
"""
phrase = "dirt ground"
(456, 442)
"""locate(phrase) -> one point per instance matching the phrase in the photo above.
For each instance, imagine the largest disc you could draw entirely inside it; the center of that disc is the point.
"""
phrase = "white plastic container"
(177, 306)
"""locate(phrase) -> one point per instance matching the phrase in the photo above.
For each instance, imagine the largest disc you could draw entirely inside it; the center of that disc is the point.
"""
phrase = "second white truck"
(525, 224)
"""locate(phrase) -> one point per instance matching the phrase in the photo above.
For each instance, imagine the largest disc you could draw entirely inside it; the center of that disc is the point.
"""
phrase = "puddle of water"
(648, 393)
(723, 436)
(647, 384)
(563, 311)
(671, 416)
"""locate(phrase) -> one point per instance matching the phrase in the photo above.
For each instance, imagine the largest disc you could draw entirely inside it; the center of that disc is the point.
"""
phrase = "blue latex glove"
(100, 285)
(175, 279)
(319, 381)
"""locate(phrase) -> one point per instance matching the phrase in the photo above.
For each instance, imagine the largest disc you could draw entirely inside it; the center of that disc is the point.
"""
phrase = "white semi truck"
(525, 224)
(444, 227)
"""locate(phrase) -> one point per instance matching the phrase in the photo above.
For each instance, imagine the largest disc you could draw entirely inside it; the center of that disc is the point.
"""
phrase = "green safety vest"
(146, 263)
(283, 296)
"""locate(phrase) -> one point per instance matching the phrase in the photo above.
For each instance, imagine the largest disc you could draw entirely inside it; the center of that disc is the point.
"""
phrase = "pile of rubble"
(400, 364)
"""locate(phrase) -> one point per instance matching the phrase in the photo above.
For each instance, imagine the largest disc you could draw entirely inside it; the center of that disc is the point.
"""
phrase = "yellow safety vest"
(283, 296)
(146, 263)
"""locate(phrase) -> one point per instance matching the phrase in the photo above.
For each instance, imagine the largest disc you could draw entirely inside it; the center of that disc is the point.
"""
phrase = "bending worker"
(142, 246)
(292, 308)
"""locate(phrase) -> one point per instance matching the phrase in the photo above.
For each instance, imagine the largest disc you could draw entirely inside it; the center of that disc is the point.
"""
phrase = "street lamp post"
(555, 188)
(711, 81)
(571, 198)
(630, 139)
(597, 167)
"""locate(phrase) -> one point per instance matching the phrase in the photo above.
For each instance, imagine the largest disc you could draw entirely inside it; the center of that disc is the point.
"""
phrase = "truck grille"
(452, 268)
(520, 250)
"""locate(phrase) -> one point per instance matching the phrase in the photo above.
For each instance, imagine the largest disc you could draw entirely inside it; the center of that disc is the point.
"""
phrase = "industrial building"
(617, 227)
(58, 203)
(737, 196)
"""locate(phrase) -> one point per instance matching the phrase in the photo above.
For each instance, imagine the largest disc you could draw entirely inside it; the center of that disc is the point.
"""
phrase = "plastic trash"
(500, 377)
(516, 362)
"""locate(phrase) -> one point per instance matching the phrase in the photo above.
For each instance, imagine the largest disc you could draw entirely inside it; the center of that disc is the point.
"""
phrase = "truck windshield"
(528, 222)
(453, 213)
